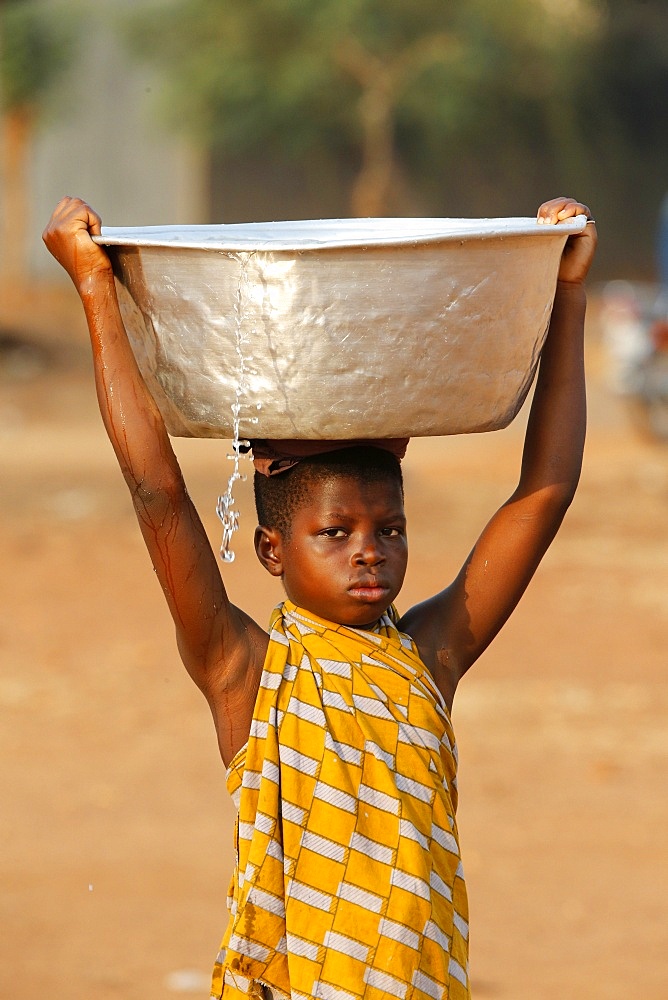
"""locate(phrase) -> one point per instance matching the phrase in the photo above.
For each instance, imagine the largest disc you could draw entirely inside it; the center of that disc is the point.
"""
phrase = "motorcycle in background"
(634, 319)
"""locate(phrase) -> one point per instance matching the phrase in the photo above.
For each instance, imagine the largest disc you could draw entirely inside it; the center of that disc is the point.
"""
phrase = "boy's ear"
(269, 549)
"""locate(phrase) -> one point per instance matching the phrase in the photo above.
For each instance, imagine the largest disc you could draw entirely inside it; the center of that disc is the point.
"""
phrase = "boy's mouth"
(371, 590)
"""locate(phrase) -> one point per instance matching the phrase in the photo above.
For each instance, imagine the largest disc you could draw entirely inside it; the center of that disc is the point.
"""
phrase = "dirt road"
(115, 826)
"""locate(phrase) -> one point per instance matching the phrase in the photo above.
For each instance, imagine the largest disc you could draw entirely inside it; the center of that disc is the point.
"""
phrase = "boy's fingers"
(549, 209)
(95, 223)
(575, 208)
(75, 213)
(68, 237)
(559, 209)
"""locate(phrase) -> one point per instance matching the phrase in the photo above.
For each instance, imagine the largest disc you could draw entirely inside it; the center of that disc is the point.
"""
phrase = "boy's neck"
(366, 628)
(369, 627)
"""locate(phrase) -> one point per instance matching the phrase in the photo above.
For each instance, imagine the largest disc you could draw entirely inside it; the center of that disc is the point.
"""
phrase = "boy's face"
(345, 558)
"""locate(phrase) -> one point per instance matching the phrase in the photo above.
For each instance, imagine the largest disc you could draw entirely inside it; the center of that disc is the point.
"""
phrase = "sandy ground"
(115, 826)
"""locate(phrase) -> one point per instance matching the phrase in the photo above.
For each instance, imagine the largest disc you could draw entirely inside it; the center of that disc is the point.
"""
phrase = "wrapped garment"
(348, 881)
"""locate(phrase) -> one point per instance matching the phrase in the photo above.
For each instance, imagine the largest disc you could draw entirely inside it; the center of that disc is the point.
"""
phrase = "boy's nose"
(368, 554)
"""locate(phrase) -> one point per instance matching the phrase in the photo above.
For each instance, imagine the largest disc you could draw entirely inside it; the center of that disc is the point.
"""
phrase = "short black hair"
(277, 497)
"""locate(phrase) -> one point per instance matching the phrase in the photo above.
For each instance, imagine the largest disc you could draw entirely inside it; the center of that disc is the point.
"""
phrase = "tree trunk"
(372, 190)
(15, 136)
(379, 184)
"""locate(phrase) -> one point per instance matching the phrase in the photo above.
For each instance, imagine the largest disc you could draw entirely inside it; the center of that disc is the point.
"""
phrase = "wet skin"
(346, 555)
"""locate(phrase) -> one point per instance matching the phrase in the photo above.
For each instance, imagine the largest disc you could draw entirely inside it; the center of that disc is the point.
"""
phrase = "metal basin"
(341, 328)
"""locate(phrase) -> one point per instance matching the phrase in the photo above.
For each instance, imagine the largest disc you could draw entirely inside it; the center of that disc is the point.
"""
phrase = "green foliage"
(232, 77)
(35, 45)
(629, 79)
(265, 72)
(488, 105)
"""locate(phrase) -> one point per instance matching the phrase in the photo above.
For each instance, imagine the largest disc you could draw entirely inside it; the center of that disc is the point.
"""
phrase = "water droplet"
(225, 506)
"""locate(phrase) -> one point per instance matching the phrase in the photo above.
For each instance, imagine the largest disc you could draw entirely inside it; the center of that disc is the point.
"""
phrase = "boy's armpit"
(427, 624)
(230, 681)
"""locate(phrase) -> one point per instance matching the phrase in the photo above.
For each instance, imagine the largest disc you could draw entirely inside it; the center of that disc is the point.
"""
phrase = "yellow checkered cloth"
(349, 881)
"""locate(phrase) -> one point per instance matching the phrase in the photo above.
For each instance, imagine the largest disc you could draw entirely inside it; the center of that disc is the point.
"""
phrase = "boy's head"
(277, 497)
(333, 528)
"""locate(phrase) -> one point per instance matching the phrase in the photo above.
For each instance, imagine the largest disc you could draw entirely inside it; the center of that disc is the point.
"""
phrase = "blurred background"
(115, 828)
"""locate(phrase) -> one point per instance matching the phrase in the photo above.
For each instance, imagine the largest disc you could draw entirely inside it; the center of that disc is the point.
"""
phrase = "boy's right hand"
(68, 237)
(580, 247)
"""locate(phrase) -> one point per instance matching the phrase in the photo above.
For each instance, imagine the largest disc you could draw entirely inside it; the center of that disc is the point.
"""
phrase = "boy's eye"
(333, 533)
(393, 532)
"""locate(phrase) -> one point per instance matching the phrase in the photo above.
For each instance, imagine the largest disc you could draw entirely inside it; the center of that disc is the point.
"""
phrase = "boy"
(335, 728)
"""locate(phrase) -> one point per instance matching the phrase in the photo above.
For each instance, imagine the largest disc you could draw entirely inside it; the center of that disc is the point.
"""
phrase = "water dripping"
(225, 508)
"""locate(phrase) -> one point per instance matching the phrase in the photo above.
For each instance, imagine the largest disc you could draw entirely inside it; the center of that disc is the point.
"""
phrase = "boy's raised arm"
(453, 628)
(221, 647)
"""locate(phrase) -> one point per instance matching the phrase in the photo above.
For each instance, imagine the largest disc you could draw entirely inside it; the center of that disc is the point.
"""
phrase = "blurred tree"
(624, 108)
(396, 87)
(34, 47)
(630, 68)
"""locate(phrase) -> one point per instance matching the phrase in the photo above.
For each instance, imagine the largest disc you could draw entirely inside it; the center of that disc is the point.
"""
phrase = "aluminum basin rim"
(337, 234)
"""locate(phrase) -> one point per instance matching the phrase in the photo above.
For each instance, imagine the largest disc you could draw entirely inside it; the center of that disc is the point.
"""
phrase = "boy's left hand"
(580, 247)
